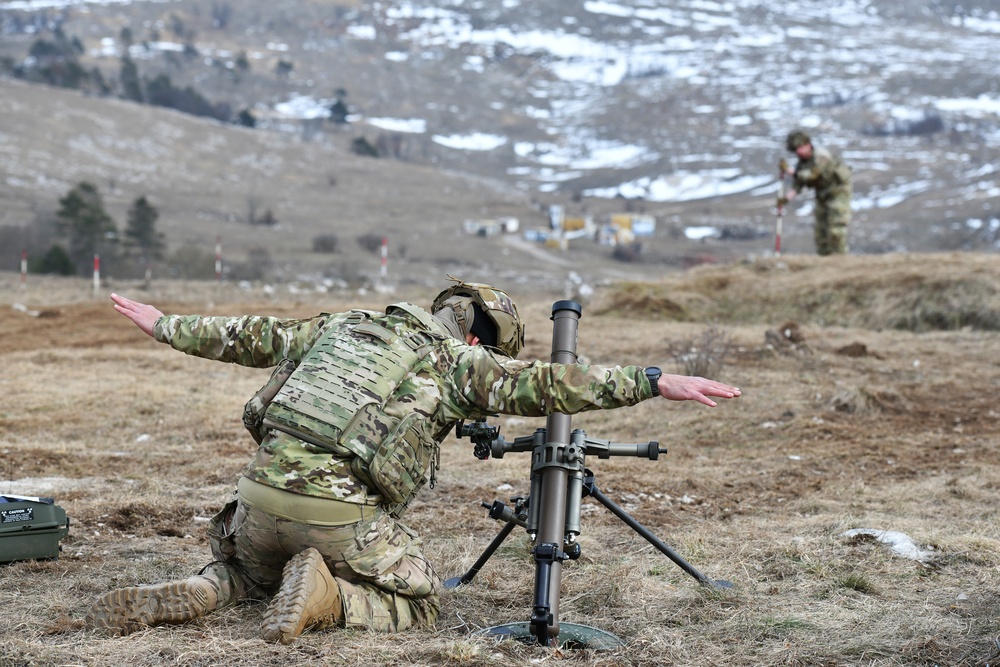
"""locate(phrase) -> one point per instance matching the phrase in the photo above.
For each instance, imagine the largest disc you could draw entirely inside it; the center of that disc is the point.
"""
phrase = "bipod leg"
(497, 511)
(590, 489)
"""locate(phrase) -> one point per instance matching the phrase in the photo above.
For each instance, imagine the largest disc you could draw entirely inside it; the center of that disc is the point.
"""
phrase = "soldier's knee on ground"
(366, 606)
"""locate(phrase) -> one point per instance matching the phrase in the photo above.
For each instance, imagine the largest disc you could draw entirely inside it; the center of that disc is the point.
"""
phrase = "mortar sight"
(482, 434)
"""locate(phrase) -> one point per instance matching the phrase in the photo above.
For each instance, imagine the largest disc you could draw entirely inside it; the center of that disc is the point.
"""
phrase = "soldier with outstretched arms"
(348, 429)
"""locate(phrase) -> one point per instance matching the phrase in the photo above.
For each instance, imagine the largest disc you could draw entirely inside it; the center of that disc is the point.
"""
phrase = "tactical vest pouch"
(399, 463)
(253, 411)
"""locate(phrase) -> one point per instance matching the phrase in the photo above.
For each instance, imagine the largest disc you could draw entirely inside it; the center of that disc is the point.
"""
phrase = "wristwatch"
(653, 375)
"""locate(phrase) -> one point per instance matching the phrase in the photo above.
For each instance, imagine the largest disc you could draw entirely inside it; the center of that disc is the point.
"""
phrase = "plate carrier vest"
(335, 399)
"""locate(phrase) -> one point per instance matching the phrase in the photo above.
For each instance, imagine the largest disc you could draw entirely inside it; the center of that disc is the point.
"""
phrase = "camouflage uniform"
(831, 179)
(385, 582)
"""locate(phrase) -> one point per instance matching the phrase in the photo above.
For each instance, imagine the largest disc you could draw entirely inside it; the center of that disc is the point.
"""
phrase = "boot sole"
(285, 618)
(127, 610)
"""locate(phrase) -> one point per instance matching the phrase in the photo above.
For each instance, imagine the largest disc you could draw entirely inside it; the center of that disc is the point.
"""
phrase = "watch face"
(653, 375)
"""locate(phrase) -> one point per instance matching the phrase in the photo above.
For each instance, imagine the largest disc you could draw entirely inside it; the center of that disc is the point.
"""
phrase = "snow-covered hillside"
(657, 102)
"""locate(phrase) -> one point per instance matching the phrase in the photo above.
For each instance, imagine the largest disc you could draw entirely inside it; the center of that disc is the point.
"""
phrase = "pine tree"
(141, 236)
(130, 82)
(339, 110)
(81, 216)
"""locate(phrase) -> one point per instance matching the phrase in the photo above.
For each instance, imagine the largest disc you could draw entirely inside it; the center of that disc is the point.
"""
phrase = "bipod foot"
(571, 636)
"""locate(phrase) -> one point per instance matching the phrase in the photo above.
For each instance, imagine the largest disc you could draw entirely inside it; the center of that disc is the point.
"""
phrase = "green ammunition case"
(30, 528)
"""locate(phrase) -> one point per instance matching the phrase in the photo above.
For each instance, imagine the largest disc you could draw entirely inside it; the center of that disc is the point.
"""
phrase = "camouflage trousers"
(385, 582)
(833, 215)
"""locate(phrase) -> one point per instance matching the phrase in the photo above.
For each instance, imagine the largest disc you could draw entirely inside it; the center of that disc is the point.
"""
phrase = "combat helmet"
(797, 138)
(460, 303)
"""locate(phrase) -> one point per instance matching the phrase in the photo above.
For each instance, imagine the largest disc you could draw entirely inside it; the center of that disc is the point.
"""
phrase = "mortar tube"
(554, 479)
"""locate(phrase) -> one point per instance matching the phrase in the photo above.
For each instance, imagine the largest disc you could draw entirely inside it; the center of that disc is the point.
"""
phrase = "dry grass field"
(869, 387)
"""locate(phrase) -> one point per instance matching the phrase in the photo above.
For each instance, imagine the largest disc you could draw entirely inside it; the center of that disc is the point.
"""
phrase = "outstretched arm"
(142, 314)
(489, 383)
(693, 388)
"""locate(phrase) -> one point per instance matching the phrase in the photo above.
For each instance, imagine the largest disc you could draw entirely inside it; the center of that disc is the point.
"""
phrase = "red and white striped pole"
(218, 258)
(24, 268)
(777, 231)
(97, 274)
(385, 256)
(782, 171)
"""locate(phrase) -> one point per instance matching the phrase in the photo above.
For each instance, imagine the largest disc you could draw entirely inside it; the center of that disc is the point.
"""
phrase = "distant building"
(624, 228)
(556, 216)
(509, 224)
(491, 227)
(621, 229)
(561, 229)
(639, 225)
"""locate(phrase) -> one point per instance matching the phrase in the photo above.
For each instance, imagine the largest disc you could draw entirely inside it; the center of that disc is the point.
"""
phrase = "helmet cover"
(797, 138)
(496, 304)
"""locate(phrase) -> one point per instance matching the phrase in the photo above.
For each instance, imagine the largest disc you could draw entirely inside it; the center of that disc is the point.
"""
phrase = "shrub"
(161, 91)
(267, 219)
(191, 262)
(56, 260)
(704, 355)
(370, 242)
(246, 119)
(325, 243)
(361, 146)
(628, 252)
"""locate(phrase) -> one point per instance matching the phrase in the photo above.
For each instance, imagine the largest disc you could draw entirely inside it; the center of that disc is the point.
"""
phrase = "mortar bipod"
(547, 555)
(551, 514)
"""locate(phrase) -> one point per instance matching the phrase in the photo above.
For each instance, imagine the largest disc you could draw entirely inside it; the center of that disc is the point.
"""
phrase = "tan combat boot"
(126, 610)
(309, 598)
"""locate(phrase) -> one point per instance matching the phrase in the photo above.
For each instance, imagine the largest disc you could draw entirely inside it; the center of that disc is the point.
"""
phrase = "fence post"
(218, 258)
(385, 256)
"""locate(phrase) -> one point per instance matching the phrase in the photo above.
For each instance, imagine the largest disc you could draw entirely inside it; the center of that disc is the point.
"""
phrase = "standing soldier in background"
(825, 172)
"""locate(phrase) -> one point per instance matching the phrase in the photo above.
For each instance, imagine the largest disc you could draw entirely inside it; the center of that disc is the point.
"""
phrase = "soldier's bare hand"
(693, 388)
(142, 314)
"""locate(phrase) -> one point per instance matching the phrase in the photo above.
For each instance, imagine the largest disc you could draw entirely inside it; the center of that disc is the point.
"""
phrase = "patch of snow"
(412, 125)
(470, 142)
(902, 544)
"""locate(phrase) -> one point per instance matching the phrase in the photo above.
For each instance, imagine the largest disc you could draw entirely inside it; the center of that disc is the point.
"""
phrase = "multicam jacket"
(824, 171)
(454, 381)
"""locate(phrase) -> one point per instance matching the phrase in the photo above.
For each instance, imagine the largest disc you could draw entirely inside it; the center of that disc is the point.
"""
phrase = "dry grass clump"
(704, 355)
(640, 300)
(870, 401)
(942, 292)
